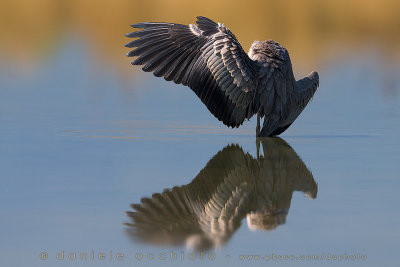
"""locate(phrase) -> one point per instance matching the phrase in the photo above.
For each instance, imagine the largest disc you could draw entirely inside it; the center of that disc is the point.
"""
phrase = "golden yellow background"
(32, 30)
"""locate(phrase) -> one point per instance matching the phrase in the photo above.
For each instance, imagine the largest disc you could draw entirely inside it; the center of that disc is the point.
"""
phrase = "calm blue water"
(79, 145)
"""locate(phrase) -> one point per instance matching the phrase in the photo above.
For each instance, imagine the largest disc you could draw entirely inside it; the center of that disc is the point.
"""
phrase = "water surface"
(80, 145)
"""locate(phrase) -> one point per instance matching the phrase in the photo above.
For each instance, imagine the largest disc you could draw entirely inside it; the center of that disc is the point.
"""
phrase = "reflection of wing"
(206, 212)
(207, 58)
(289, 165)
(281, 171)
(227, 187)
(165, 218)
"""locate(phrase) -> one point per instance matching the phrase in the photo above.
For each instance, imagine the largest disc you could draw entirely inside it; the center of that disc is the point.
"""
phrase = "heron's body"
(234, 86)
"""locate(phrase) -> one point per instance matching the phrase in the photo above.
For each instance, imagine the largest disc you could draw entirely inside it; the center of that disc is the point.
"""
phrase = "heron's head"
(268, 49)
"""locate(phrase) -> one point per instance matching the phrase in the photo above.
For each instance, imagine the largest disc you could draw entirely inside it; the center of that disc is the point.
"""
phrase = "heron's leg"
(258, 148)
(258, 124)
(265, 128)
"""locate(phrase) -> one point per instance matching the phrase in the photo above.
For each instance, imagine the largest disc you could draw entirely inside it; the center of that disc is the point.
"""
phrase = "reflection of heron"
(234, 86)
(233, 185)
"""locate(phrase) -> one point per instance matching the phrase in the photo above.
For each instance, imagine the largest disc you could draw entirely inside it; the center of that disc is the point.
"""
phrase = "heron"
(233, 85)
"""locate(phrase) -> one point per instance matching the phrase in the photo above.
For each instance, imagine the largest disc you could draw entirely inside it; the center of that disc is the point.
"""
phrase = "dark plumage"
(233, 85)
(232, 186)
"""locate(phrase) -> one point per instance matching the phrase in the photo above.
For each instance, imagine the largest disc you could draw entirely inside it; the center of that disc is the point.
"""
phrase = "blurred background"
(313, 31)
(84, 134)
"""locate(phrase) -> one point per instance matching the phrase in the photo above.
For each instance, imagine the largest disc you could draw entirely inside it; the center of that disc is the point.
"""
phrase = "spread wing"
(207, 58)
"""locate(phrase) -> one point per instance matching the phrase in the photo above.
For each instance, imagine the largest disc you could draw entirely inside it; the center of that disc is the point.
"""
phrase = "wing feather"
(207, 58)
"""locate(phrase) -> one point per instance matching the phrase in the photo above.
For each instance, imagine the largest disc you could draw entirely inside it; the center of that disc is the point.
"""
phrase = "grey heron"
(232, 84)
(232, 186)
